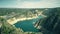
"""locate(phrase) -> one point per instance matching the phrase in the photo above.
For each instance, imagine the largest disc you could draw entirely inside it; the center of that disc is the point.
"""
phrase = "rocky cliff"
(51, 23)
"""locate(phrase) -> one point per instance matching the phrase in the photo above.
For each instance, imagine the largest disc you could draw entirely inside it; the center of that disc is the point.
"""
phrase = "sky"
(29, 3)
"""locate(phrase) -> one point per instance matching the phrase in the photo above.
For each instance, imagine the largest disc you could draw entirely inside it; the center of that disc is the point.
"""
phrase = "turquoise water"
(27, 25)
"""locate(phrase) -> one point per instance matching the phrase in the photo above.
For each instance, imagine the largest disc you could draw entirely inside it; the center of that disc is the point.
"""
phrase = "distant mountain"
(5, 11)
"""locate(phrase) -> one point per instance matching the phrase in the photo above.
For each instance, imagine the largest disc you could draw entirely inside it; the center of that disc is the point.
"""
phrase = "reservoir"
(27, 25)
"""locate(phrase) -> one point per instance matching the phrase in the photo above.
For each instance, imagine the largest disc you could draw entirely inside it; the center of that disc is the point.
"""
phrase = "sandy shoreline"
(14, 20)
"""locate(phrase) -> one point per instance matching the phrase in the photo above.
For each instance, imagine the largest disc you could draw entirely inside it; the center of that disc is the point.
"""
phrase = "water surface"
(27, 25)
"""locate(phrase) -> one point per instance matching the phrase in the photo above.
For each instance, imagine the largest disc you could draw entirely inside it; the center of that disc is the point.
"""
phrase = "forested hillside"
(51, 23)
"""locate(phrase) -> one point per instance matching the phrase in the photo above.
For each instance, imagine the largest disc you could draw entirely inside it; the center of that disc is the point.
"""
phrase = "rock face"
(51, 23)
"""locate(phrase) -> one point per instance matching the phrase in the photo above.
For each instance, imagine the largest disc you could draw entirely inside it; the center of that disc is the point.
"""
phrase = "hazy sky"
(29, 3)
